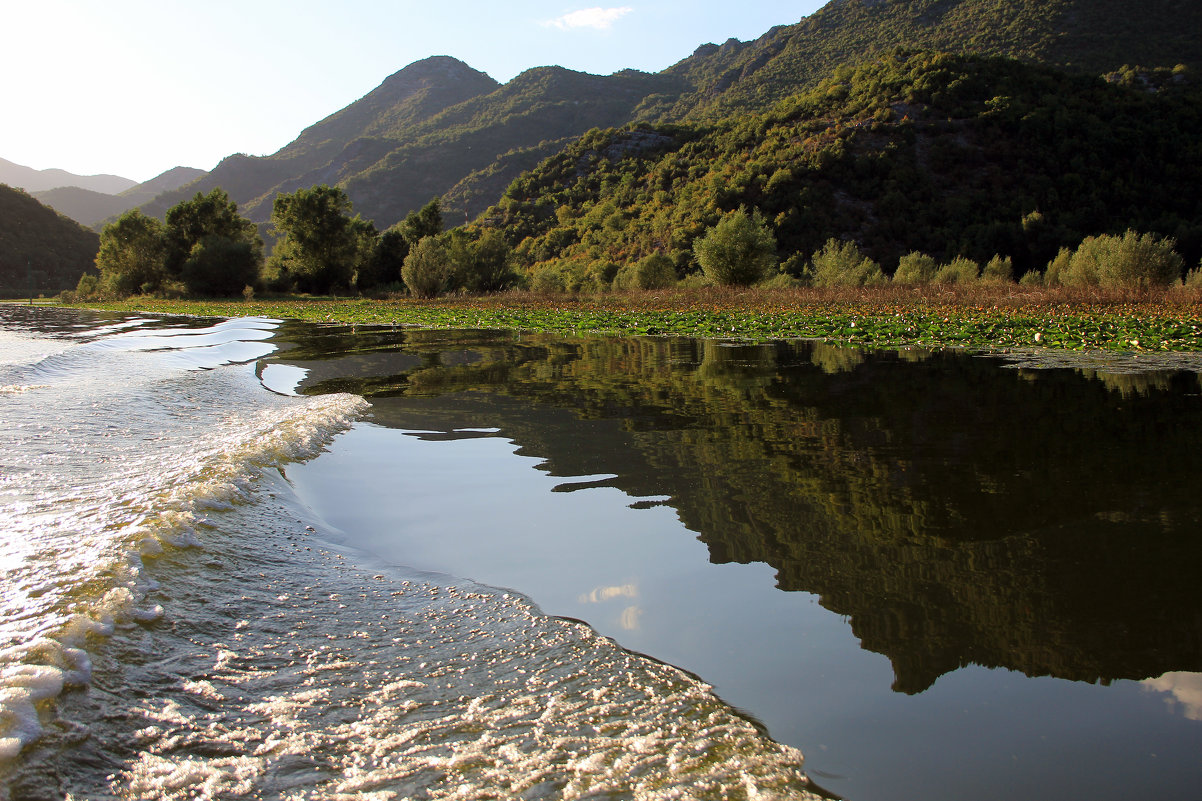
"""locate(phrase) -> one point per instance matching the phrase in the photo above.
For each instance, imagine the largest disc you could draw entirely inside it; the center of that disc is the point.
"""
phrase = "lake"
(340, 560)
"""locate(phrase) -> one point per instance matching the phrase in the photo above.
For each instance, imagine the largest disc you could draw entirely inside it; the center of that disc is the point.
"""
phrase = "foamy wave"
(171, 513)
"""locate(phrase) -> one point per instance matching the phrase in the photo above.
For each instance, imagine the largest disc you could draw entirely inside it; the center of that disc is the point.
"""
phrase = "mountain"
(1089, 36)
(32, 180)
(91, 208)
(949, 155)
(440, 128)
(35, 238)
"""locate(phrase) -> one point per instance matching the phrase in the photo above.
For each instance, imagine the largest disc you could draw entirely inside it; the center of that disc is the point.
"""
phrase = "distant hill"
(92, 208)
(35, 237)
(440, 128)
(32, 180)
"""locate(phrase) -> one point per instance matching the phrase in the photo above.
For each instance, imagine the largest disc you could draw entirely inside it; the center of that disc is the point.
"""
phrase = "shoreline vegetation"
(980, 317)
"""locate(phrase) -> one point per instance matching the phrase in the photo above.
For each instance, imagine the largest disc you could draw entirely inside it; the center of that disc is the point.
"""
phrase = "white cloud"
(597, 18)
(1186, 689)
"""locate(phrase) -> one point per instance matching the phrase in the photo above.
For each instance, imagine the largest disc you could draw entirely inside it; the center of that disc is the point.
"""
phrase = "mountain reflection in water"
(957, 513)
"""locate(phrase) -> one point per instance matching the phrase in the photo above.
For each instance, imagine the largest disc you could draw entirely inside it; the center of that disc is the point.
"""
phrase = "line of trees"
(204, 247)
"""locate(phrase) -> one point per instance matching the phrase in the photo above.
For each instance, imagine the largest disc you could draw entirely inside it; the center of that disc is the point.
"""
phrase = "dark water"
(939, 575)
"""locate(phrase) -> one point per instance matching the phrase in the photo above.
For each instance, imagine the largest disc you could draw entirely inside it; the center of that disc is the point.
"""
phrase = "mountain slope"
(31, 180)
(1091, 36)
(351, 139)
(90, 208)
(944, 154)
(34, 238)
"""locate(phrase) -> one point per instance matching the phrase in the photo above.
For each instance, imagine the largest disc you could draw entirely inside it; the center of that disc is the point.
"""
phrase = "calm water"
(258, 559)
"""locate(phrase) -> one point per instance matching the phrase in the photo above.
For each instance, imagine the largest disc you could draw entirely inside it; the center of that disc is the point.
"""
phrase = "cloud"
(1186, 689)
(596, 18)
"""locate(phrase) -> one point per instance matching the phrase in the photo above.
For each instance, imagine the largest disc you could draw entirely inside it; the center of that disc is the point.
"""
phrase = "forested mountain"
(1090, 36)
(39, 243)
(912, 151)
(440, 128)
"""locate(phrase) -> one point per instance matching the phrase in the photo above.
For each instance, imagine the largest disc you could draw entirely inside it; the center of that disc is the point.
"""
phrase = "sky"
(136, 87)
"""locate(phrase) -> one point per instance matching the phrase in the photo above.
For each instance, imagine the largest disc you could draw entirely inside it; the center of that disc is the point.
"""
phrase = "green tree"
(960, 270)
(841, 263)
(484, 264)
(427, 267)
(320, 246)
(212, 216)
(220, 266)
(383, 265)
(739, 250)
(426, 221)
(131, 253)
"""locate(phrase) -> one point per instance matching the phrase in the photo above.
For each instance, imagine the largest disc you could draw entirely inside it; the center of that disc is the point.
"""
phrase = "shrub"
(959, 270)
(220, 266)
(426, 268)
(915, 268)
(842, 264)
(1193, 279)
(739, 250)
(999, 270)
(1130, 261)
(1057, 267)
(653, 272)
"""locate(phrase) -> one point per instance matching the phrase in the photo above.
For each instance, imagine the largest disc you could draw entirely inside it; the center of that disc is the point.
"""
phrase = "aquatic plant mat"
(1005, 317)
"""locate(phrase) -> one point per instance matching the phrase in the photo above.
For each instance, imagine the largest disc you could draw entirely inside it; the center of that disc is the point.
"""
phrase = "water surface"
(938, 574)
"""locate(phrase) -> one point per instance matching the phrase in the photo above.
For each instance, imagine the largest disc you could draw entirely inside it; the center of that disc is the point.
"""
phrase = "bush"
(1193, 279)
(426, 268)
(1131, 261)
(999, 270)
(915, 268)
(842, 264)
(656, 271)
(959, 270)
(739, 250)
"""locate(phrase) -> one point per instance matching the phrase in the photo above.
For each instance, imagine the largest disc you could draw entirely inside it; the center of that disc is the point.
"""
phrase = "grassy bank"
(983, 317)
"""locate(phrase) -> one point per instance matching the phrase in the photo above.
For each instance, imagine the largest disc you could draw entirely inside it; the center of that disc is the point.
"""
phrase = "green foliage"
(208, 216)
(841, 263)
(910, 151)
(1132, 260)
(428, 268)
(915, 269)
(959, 270)
(131, 256)
(383, 264)
(656, 271)
(38, 243)
(424, 222)
(321, 246)
(220, 266)
(739, 250)
(998, 270)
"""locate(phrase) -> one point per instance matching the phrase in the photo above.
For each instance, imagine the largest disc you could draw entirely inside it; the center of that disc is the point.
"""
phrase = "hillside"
(35, 236)
(440, 128)
(91, 208)
(1087, 36)
(31, 180)
(944, 154)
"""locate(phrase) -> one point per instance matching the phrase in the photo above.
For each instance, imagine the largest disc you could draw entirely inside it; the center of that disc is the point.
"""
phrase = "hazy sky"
(135, 87)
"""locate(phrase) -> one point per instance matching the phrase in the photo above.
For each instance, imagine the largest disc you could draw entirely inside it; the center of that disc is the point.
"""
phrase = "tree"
(383, 265)
(221, 266)
(212, 216)
(656, 271)
(427, 267)
(484, 264)
(320, 246)
(426, 221)
(130, 258)
(739, 250)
